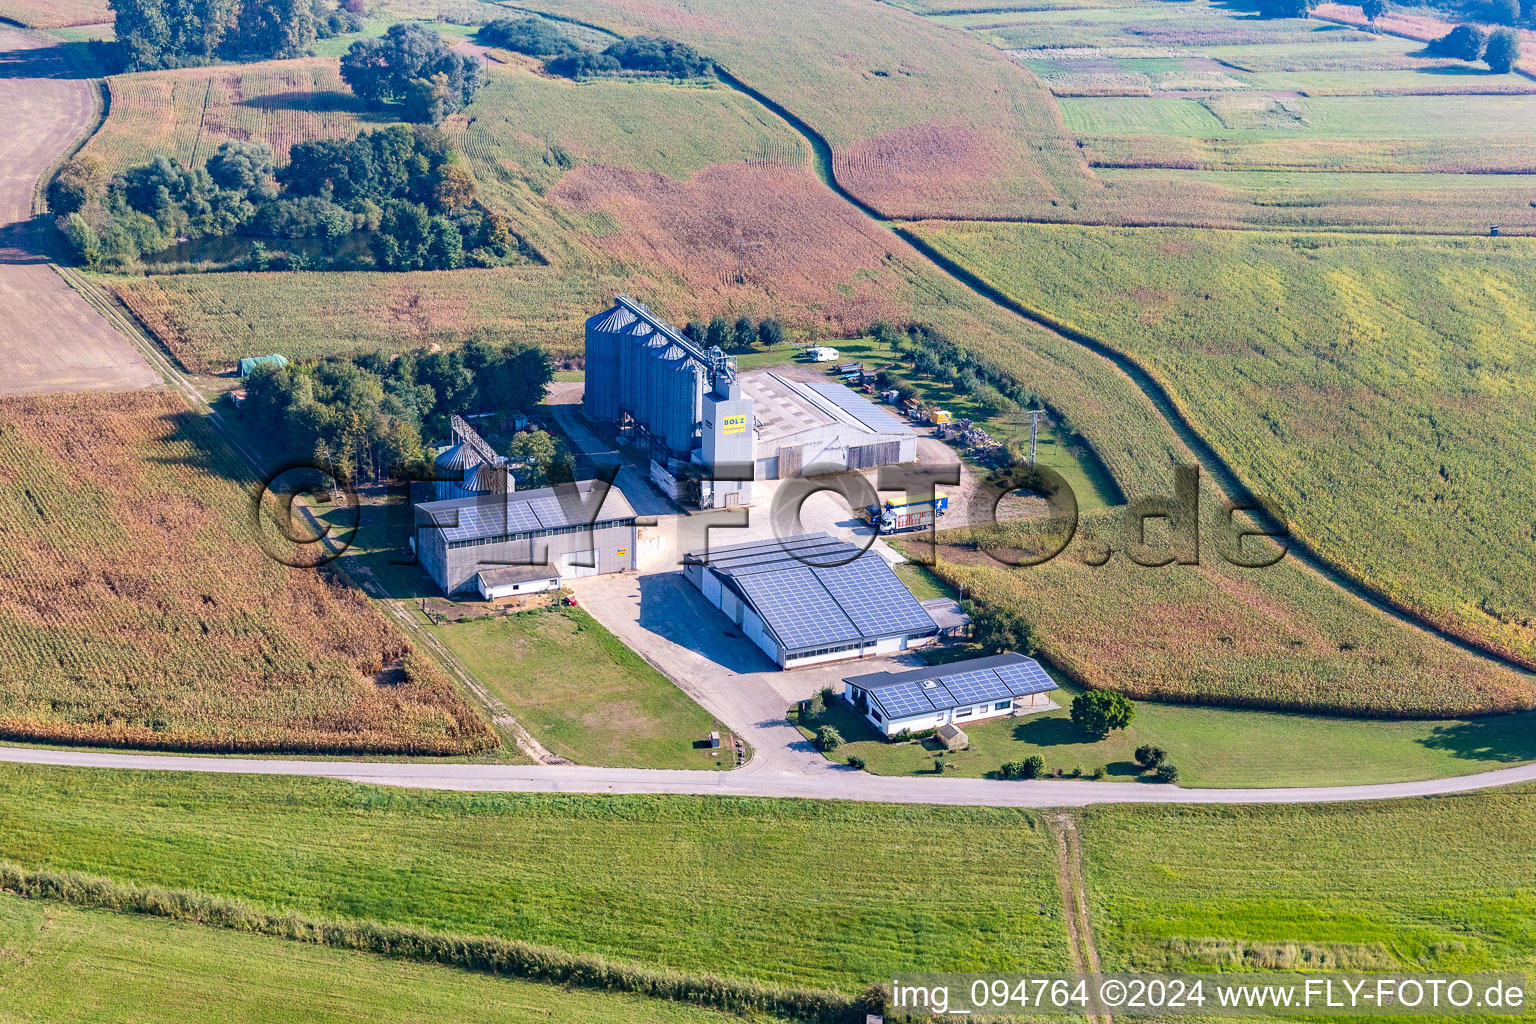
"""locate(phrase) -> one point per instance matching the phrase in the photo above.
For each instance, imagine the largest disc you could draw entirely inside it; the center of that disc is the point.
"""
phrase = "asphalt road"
(760, 778)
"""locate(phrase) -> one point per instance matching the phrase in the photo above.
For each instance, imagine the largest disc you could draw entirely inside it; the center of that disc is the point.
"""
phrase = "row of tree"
(367, 415)
(401, 185)
(178, 33)
(736, 337)
(640, 55)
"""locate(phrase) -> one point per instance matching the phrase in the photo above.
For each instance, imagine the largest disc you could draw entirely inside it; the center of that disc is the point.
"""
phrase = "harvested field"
(1420, 27)
(905, 105)
(187, 112)
(55, 13)
(1374, 387)
(729, 253)
(51, 338)
(209, 321)
(137, 607)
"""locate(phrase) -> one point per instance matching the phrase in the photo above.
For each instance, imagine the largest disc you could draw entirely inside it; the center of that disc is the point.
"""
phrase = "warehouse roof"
(503, 575)
(545, 508)
(784, 407)
(922, 691)
(816, 591)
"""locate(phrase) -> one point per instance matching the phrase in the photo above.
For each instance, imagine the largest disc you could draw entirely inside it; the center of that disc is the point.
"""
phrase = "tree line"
(639, 55)
(401, 185)
(737, 337)
(367, 415)
(180, 33)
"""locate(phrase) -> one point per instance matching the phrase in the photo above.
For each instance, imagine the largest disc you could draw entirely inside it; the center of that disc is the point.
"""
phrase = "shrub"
(76, 184)
(1100, 772)
(1167, 773)
(1503, 12)
(770, 333)
(1100, 712)
(999, 629)
(1464, 42)
(1149, 756)
(537, 37)
(856, 762)
(1502, 51)
(1032, 767)
(828, 739)
(1285, 8)
(1373, 9)
(815, 707)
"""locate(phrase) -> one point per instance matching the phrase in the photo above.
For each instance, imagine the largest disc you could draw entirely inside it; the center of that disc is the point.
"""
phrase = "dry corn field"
(186, 113)
(137, 608)
(55, 13)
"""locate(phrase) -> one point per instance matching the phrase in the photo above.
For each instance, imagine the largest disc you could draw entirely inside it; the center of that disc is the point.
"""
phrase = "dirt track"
(50, 338)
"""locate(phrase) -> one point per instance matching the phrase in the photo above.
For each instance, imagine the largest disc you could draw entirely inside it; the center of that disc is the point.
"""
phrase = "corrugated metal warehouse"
(811, 599)
(455, 540)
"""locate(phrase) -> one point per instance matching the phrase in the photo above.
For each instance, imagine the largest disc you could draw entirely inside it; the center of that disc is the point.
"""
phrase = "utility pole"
(1034, 432)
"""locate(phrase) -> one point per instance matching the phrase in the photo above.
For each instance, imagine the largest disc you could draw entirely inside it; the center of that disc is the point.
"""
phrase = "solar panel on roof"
(798, 609)
(489, 519)
(872, 596)
(904, 699)
(860, 408)
(1025, 678)
(975, 686)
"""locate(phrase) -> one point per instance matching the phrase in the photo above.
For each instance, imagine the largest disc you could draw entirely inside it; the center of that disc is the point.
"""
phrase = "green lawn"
(1426, 885)
(1218, 747)
(581, 692)
(822, 895)
(61, 965)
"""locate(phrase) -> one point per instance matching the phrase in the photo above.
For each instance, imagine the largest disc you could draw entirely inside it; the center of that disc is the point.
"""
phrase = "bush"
(999, 629)
(537, 37)
(1100, 712)
(856, 762)
(1285, 8)
(815, 707)
(1464, 42)
(1101, 772)
(1149, 756)
(1373, 9)
(1503, 12)
(1502, 51)
(77, 183)
(1167, 773)
(828, 739)
(1032, 767)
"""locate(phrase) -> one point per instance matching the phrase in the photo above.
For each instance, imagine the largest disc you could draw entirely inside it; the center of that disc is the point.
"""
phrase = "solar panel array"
(903, 698)
(816, 591)
(485, 518)
(860, 408)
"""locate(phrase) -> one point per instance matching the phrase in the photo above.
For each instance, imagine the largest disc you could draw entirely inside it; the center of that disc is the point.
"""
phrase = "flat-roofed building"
(822, 424)
(958, 694)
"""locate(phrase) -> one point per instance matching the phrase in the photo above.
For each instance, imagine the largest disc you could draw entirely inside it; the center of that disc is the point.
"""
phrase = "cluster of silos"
(635, 364)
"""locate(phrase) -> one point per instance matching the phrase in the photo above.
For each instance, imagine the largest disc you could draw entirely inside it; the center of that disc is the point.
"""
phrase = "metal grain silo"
(648, 371)
(603, 341)
(684, 389)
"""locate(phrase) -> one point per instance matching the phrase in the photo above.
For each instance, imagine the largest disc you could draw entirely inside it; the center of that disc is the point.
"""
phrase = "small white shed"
(516, 580)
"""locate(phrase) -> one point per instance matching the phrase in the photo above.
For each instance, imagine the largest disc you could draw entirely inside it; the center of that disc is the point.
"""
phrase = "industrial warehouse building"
(821, 424)
(811, 599)
(956, 694)
(697, 421)
(561, 529)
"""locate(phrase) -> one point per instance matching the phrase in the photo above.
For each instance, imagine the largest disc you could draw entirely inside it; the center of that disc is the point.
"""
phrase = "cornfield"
(187, 112)
(137, 608)
(55, 13)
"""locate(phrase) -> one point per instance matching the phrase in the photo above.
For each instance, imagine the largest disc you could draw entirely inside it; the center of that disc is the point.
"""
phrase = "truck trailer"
(901, 516)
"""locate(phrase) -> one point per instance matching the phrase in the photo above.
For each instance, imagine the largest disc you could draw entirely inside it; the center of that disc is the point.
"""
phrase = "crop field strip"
(139, 609)
(47, 14)
(72, 966)
(1377, 404)
(638, 879)
(1322, 887)
(186, 113)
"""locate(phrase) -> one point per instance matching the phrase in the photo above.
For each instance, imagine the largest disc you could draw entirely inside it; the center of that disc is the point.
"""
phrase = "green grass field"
(581, 692)
(1373, 387)
(68, 966)
(1213, 747)
(1426, 885)
(777, 891)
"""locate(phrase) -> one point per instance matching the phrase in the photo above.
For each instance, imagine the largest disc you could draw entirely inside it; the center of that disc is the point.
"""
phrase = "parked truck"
(901, 516)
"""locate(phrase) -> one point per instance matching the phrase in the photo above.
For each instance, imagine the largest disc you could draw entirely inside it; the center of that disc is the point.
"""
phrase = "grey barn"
(577, 530)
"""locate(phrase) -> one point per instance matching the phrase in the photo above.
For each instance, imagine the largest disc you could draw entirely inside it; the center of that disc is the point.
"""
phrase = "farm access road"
(51, 338)
(759, 779)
